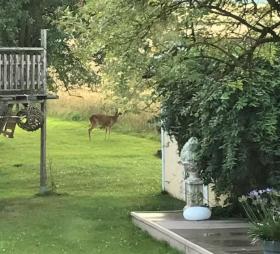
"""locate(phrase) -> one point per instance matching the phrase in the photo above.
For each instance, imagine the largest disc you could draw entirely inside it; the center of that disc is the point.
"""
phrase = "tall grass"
(81, 104)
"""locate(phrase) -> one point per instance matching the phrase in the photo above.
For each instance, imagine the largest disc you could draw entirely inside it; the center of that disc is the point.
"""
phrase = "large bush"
(236, 118)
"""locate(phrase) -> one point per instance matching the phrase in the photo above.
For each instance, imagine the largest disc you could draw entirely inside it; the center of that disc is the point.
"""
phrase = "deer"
(103, 121)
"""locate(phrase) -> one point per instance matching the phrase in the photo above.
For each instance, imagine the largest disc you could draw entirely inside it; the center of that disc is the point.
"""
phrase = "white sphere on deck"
(197, 213)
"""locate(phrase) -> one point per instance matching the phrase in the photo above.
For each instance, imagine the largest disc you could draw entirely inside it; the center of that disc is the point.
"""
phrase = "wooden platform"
(197, 237)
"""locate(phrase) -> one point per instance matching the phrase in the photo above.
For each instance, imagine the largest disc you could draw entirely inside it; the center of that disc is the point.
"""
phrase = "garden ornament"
(194, 209)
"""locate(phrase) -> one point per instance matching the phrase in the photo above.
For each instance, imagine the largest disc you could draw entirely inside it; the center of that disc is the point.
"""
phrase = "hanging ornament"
(30, 119)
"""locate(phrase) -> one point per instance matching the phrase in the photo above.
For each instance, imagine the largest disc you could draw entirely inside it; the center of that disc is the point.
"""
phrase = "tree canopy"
(213, 65)
(20, 25)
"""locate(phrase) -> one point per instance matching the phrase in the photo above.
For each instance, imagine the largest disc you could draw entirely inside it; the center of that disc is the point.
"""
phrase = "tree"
(212, 64)
(21, 22)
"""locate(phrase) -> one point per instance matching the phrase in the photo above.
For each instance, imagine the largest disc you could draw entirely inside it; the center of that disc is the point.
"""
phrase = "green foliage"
(237, 123)
(214, 81)
(11, 13)
(75, 116)
(122, 46)
(21, 22)
(263, 209)
(267, 230)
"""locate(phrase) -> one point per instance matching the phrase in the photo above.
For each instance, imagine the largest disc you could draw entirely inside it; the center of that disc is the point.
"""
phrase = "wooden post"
(43, 169)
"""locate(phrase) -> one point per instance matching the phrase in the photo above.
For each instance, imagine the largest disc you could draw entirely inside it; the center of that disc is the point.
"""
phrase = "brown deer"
(103, 121)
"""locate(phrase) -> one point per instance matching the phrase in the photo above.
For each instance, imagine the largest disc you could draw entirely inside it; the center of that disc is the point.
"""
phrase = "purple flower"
(258, 193)
(254, 194)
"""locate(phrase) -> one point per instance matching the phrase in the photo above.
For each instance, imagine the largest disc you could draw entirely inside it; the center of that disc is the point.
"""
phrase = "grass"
(99, 184)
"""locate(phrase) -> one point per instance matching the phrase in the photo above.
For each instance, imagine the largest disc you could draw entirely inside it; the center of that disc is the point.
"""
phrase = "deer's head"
(118, 113)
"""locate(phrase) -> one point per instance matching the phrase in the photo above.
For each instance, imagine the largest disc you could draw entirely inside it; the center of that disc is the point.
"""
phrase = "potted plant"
(263, 210)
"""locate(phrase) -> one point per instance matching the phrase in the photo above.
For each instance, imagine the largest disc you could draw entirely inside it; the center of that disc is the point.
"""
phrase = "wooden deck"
(197, 237)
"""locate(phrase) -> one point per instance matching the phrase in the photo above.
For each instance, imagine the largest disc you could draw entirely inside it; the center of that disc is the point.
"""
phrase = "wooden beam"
(43, 169)
(33, 97)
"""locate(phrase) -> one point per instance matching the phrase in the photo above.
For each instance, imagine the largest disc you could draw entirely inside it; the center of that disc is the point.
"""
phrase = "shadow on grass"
(104, 206)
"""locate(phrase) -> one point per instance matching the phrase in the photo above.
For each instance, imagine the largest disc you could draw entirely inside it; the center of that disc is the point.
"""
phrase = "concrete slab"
(197, 237)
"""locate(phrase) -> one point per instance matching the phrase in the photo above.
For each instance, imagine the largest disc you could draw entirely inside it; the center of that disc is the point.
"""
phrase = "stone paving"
(197, 237)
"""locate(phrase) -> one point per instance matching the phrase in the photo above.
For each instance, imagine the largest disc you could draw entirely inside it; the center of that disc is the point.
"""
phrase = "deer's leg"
(106, 130)
(90, 130)
(89, 133)
(109, 131)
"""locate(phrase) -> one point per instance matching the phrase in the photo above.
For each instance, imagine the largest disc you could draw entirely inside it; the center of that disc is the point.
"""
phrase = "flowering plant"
(263, 210)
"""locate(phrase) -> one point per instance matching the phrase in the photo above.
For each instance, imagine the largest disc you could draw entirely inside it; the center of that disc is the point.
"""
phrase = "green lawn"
(100, 183)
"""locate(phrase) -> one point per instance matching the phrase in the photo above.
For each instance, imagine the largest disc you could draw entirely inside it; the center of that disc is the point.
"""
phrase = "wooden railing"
(22, 70)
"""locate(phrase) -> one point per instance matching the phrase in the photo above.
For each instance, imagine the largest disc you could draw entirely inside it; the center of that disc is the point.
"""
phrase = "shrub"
(236, 118)
(75, 116)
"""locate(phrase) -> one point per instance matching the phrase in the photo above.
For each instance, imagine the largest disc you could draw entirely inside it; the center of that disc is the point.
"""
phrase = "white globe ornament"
(196, 213)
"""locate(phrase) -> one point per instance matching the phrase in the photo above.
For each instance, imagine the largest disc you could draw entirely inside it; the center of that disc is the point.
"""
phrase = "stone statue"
(193, 184)
(189, 156)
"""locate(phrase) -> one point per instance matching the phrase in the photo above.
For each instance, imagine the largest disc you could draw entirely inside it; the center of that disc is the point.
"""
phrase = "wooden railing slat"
(27, 71)
(33, 73)
(38, 71)
(22, 67)
(1, 80)
(16, 72)
(5, 71)
(10, 71)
